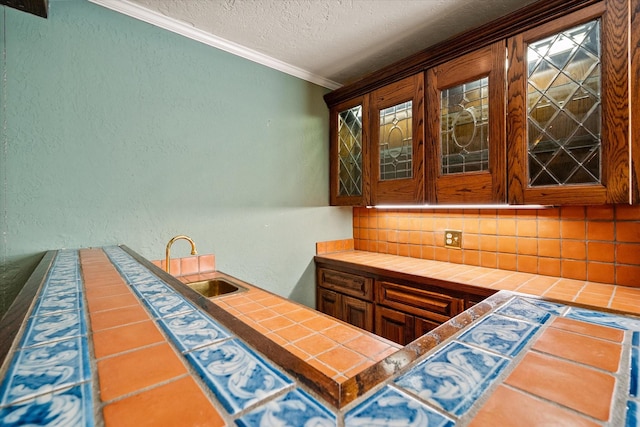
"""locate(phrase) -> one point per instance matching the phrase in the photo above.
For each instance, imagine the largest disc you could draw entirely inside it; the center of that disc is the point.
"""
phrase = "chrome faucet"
(168, 258)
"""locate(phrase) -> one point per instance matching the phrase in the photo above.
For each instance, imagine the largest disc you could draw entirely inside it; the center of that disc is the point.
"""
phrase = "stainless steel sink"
(215, 287)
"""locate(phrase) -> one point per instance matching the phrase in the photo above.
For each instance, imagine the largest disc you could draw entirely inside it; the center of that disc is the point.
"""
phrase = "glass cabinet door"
(395, 142)
(466, 103)
(568, 110)
(564, 107)
(397, 135)
(349, 153)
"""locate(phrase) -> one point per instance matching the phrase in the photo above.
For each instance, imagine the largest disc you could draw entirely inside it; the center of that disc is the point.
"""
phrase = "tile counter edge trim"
(12, 323)
(49, 378)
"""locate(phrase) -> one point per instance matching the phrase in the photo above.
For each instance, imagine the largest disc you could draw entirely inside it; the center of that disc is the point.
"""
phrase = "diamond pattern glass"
(564, 108)
(464, 140)
(350, 151)
(396, 142)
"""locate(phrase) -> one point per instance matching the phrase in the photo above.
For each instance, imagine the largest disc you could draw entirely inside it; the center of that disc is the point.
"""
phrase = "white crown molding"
(135, 11)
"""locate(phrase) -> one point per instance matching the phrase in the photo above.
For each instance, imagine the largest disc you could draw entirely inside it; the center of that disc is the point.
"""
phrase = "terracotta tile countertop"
(599, 295)
(104, 337)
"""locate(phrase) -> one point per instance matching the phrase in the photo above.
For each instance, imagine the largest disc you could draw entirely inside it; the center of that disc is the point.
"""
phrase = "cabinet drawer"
(428, 304)
(350, 284)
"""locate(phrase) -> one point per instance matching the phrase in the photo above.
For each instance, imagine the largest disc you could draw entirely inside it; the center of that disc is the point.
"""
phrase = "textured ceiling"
(336, 40)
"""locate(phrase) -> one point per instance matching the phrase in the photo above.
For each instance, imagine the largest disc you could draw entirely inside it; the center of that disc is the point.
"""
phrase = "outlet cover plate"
(453, 239)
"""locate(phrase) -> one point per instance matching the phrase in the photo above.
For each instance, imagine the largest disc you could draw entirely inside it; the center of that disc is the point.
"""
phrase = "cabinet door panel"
(466, 106)
(568, 111)
(349, 153)
(357, 313)
(397, 140)
(422, 326)
(329, 302)
(394, 325)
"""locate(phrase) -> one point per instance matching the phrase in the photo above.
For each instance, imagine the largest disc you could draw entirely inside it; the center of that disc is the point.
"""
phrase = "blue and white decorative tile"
(192, 330)
(605, 319)
(236, 375)
(391, 407)
(61, 285)
(57, 303)
(143, 282)
(632, 418)
(634, 375)
(145, 278)
(66, 261)
(152, 289)
(295, 408)
(72, 407)
(139, 278)
(524, 309)
(500, 334)
(64, 276)
(551, 307)
(166, 305)
(45, 368)
(126, 265)
(44, 329)
(454, 377)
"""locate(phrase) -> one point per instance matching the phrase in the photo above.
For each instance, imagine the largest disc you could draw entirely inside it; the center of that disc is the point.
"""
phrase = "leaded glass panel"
(350, 151)
(464, 135)
(396, 142)
(564, 107)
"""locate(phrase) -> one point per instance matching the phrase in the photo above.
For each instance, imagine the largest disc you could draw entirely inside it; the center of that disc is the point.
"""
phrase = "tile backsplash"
(189, 265)
(595, 243)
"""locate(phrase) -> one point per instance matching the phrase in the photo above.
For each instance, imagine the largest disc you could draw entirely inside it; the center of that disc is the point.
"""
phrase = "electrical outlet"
(453, 239)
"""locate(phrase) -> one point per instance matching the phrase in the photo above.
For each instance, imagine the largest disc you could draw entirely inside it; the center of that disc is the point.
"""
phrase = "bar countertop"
(104, 337)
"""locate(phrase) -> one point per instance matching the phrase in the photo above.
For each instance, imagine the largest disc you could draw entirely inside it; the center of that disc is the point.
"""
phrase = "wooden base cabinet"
(430, 304)
(400, 312)
(405, 312)
(347, 297)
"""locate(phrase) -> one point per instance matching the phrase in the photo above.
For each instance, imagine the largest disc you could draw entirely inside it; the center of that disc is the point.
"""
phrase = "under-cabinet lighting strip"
(480, 206)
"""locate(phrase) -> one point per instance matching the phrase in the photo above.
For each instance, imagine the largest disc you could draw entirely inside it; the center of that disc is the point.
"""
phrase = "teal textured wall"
(115, 131)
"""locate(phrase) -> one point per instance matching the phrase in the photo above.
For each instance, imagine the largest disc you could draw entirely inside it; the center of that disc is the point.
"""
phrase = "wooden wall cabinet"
(568, 109)
(397, 141)
(377, 146)
(349, 147)
(466, 149)
(534, 156)
(400, 312)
